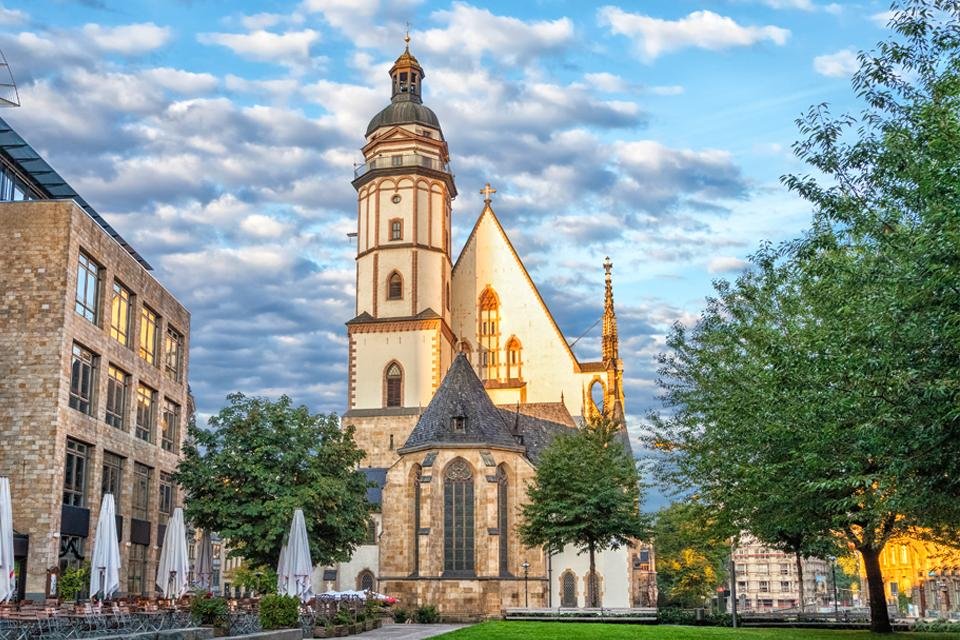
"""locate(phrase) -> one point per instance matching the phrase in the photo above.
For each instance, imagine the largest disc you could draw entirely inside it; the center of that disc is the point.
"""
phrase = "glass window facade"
(88, 288)
(12, 188)
(118, 384)
(146, 414)
(142, 474)
(169, 438)
(166, 494)
(83, 376)
(75, 474)
(149, 334)
(71, 552)
(136, 584)
(458, 519)
(120, 316)
(394, 384)
(112, 478)
(173, 354)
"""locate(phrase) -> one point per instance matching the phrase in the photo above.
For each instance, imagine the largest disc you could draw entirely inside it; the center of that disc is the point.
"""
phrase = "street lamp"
(526, 593)
(836, 603)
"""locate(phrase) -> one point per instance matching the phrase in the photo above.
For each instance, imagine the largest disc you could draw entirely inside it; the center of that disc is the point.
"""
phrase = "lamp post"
(836, 602)
(526, 592)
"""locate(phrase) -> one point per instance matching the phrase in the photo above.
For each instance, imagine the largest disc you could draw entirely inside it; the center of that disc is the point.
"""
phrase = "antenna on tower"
(9, 96)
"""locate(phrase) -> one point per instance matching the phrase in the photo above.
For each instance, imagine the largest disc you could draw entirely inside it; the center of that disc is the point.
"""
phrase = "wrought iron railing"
(401, 160)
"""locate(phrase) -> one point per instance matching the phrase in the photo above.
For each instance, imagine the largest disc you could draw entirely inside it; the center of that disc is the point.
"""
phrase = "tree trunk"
(879, 616)
(592, 591)
(800, 581)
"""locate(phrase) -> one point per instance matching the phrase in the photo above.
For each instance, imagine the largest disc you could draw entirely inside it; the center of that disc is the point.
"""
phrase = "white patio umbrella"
(105, 562)
(297, 568)
(173, 568)
(8, 585)
(282, 575)
(204, 570)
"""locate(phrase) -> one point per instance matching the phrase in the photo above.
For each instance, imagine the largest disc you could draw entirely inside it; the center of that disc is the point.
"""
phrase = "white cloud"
(128, 39)
(726, 264)
(180, 81)
(11, 16)
(605, 81)
(289, 47)
(652, 37)
(666, 90)
(841, 64)
(261, 226)
(881, 19)
(803, 5)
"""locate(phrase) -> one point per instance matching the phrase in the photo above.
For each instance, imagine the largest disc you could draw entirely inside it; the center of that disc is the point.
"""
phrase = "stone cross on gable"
(487, 191)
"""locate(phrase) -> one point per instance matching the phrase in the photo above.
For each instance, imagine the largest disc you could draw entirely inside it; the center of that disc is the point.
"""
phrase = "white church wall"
(414, 350)
(613, 573)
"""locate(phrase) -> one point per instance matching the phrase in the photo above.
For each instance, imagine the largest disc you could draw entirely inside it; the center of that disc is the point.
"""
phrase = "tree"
(692, 553)
(586, 492)
(260, 460)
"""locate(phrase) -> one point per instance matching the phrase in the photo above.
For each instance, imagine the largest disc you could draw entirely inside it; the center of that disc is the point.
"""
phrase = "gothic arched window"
(489, 333)
(365, 581)
(503, 524)
(417, 472)
(395, 287)
(458, 519)
(514, 359)
(393, 385)
(568, 590)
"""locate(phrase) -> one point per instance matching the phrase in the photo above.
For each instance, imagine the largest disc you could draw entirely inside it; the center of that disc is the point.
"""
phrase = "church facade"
(458, 378)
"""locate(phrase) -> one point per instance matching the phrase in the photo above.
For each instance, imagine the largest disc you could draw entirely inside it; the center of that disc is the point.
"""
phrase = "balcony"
(401, 161)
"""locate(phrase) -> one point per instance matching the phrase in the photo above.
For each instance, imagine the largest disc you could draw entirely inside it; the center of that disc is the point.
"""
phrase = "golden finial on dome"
(406, 37)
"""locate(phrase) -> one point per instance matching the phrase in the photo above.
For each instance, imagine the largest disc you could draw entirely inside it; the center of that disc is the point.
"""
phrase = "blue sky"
(219, 138)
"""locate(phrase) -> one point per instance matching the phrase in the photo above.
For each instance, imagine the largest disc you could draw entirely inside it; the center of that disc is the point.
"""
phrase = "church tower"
(610, 351)
(400, 341)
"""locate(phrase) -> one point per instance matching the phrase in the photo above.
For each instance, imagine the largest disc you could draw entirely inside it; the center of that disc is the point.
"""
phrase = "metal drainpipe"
(549, 580)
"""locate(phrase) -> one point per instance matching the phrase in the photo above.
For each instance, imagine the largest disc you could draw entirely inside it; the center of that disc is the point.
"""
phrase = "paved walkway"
(409, 631)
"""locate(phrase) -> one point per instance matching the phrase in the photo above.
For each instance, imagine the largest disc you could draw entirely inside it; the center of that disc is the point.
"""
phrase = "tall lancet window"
(503, 524)
(489, 334)
(393, 386)
(415, 542)
(514, 359)
(458, 519)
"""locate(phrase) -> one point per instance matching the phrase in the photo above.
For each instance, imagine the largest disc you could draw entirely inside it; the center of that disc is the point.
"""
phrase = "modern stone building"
(458, 377)
(93, 378)
(768, 579)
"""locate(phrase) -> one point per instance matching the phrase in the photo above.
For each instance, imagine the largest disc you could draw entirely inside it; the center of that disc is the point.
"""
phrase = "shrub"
(279, 612)
(401, 615)
(427, 614)
(936, 626)
(73, 582)
(209, 611)
(342, 617)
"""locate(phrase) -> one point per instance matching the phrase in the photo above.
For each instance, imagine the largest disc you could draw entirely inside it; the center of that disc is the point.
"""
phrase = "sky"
(219, 137)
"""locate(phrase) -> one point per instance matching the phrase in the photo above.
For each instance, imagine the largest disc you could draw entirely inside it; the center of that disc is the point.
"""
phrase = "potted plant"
(207, 611)
(342, 620)
(279, 612)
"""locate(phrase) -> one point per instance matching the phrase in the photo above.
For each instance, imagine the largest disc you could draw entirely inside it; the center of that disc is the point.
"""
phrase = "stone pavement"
(409, 631)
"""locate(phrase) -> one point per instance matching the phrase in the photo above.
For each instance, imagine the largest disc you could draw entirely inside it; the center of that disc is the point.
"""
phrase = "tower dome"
(406, 105)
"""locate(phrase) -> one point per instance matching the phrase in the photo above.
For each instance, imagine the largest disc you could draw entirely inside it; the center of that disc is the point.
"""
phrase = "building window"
(166, 494)
(448, 296)
(503, 525)
(142, 475)
(371, 537)
(593, 582)
(644, 560)
(365, 581)
(71, 552)
(489, 333)
(458, 518)
(88, 288)
(784, 569)
(764, 586)
(514, 359)
(146, 401)
(149, 334)
(458, 424)
(112, 476)
(118, 382)
(393, 380)
(75, 474)
(83, 375)
(171, 426)
(137, 570)
(784, 585)
(394, 287)
(173, 354)
(396, 229)
(120, 315)
(568, 590)
(417, 474)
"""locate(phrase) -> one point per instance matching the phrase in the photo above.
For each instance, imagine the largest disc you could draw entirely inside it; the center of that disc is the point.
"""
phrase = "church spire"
(613, 402)
(406, 75)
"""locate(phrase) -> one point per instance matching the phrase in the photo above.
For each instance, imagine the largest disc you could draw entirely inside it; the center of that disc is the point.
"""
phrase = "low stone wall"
(279, 634)
(196, 633)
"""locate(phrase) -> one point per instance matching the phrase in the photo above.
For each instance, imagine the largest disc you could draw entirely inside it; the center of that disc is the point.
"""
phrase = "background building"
(93, 378)
(767, 579)
(920, 578)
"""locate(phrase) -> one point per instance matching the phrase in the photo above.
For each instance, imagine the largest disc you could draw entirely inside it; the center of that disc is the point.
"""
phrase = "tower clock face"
(396, 198)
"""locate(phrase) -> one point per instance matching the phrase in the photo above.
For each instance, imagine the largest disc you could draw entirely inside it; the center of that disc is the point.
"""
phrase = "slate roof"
(379, 477)
(461, 394)
(551, 411)
(405, 111)
(535, 433)
(365, 317)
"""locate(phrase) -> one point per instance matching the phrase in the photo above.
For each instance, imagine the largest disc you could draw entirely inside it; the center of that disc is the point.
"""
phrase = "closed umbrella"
(174, 566)
(282, 570)
(205, 562)
(105, 563)
(297, 567)
(8, 585)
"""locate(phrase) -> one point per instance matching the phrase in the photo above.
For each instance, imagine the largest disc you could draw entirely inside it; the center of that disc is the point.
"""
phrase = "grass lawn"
(590, 631)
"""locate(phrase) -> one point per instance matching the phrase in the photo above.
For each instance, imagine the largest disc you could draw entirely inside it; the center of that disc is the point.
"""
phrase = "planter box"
(324, 632)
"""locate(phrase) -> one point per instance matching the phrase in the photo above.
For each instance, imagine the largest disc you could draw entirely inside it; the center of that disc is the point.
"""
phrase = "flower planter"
(368, 625)
(341, 630)
(377, 623)
(324, 632)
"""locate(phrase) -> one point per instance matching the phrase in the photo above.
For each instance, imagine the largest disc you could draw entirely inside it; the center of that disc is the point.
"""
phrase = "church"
(458, 379)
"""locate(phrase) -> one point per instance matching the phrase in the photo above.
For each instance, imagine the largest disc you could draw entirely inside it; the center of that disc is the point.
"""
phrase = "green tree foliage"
(260, 460)
(261, 580)
(692, 553)
(586, 493)
(825, 382)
